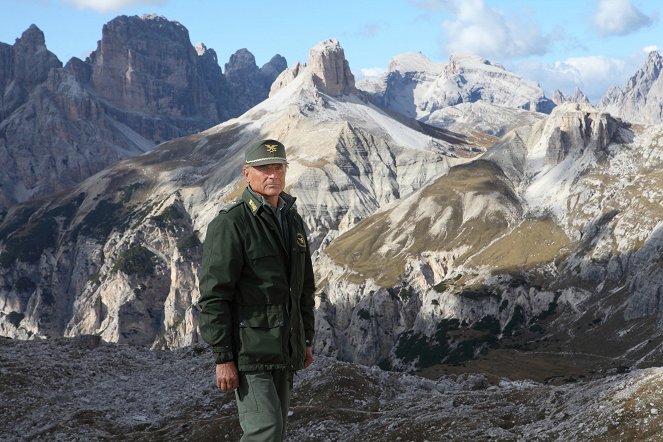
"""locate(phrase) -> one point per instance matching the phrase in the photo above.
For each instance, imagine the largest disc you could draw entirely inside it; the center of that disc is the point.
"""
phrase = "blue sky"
(592, 44)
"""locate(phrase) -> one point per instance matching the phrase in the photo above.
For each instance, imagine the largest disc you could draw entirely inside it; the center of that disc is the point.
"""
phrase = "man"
(256, 295)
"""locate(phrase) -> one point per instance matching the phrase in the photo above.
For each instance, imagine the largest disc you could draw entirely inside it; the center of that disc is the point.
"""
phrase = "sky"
(560, 44)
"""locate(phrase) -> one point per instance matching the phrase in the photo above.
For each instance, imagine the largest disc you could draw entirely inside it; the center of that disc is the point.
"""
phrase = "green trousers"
(262, 402)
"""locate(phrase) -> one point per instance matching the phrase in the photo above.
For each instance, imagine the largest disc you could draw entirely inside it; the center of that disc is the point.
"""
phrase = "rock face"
(144, 84)
(330, 70)
(24, 66)
(639, 100)
(416, 87)
(248, 84)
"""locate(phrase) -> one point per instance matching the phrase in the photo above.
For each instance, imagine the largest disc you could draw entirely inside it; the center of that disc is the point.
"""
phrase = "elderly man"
(256, 288)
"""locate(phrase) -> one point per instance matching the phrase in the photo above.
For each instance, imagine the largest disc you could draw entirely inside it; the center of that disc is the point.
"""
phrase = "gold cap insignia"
(271, 148)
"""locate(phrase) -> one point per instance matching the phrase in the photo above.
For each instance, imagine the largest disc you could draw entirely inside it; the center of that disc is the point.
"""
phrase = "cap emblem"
(271, 148)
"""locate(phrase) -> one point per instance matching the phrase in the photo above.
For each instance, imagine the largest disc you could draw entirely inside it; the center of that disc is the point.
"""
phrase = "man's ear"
(245, 172)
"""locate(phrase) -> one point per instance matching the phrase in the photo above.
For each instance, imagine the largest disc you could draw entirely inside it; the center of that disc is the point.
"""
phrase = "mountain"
(118, 255)
(144, 84)
(639, 100)
(419, 88)
(429, 253)
(549, 243)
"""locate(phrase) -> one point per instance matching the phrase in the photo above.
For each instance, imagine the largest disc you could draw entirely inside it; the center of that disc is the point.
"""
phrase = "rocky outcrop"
(144, 84)
(639, 100)
(330, 70)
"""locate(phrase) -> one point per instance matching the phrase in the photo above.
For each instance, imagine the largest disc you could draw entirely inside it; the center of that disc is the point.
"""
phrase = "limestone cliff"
(144, 84)
(639, 100)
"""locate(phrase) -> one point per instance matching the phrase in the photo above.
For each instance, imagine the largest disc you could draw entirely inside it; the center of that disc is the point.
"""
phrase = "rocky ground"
(83, 389)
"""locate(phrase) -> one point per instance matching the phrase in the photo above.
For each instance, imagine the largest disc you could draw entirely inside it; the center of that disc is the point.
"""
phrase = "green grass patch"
(170, 215)
(188, 242)
(101, 220)
(136, 260)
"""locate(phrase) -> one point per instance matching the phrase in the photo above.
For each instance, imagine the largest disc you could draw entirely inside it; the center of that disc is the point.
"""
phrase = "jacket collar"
(255, 201)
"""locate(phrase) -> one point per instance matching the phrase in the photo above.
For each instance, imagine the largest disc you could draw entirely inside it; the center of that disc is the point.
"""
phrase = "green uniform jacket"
(256, 297)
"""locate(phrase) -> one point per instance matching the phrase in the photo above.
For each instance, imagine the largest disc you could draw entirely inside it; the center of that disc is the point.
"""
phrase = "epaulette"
(230, 205)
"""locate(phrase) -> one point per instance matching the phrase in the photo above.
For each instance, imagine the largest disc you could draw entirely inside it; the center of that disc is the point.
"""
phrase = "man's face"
(267, 180)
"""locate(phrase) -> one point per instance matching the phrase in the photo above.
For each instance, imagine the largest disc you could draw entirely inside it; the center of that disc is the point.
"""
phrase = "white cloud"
(648, 49)
(372, 72)
(619, 17)
(111, 5)
(486, 31)
(594, 75)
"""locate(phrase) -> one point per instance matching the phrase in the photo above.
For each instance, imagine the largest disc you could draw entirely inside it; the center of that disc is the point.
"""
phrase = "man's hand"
(227, 376)
(308, 360)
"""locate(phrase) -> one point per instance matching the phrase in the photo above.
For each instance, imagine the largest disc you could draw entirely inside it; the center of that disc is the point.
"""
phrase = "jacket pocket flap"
(261, 316)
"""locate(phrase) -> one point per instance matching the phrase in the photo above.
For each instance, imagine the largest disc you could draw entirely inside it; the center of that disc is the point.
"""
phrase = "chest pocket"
(261, 333)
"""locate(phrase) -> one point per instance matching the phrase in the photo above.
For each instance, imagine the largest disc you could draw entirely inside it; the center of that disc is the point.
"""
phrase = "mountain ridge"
(428, 251)
(145, 83)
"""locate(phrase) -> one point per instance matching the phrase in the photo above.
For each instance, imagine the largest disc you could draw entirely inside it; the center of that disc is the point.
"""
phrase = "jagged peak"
(654, 57)
(329, 69)
(578, 97)
(32, 37)
(241, 59)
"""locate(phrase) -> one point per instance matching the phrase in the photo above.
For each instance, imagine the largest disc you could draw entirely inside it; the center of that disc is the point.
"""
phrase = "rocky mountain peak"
(330, 70)
(240, 60)
(32, 38)
(578, 97)
(143, 63)
(32, 61)
(638, 101)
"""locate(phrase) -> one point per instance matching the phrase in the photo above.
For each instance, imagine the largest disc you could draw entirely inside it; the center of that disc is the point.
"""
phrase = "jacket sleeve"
(222, 263)
(307, 300)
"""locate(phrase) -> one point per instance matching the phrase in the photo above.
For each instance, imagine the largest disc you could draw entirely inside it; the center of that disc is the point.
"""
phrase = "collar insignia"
(252, 205)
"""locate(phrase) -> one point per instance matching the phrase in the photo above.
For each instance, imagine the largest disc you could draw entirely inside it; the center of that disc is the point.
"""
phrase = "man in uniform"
(256, 295)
